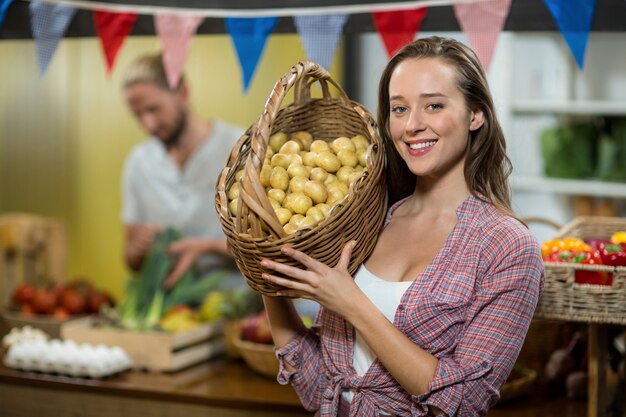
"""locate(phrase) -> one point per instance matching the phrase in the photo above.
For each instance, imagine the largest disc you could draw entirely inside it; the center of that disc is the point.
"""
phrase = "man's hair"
(148, 69)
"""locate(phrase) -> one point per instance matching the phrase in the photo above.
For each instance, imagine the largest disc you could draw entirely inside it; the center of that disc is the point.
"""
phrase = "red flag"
(112, 29)
(397, 28)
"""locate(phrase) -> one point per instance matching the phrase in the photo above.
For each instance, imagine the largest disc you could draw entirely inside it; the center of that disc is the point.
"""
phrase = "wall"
(64, 137)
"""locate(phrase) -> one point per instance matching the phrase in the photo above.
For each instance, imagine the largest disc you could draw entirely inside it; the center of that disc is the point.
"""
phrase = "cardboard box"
(154, 351)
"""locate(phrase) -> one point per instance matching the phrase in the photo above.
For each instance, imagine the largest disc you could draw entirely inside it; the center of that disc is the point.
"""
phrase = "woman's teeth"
(422, 145)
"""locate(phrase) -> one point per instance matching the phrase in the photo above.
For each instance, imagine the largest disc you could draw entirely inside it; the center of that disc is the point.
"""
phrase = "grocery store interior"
(65, 134)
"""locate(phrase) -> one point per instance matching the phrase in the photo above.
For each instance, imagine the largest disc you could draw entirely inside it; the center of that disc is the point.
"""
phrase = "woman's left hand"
(333, 288)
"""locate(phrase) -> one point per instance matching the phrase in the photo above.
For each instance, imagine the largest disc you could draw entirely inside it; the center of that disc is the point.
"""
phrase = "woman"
(433, 321)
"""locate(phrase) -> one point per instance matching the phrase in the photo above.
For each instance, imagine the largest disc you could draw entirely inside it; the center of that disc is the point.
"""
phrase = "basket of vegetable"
(308, 175)
(586, 272)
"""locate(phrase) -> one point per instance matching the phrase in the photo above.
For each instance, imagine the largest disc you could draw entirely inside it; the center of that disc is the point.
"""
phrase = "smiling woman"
(65, 135)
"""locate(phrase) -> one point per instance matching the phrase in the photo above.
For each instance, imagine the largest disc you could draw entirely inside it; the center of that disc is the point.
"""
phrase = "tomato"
(73, 301)
(60, 313)
(44, 301)
(23, 293)
(96, 299)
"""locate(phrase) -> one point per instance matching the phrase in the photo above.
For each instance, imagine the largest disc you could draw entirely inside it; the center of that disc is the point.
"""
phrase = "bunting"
(176, 33)
(574, 19)
(482, 24)
(320, 36)
(48, 23)
(4, 6)
(112, 29)
(397, 28)
(249, 37)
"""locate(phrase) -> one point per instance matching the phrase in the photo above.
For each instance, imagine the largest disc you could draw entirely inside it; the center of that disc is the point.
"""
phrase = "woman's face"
(429, 120)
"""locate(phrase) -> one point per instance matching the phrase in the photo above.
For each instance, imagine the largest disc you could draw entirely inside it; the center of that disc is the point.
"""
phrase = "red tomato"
(96, 299)
(23, 293)
(44, 301)
(73, 301)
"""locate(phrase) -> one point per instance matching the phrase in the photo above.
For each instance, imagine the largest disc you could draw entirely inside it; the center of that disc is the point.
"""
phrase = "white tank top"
(386, 296)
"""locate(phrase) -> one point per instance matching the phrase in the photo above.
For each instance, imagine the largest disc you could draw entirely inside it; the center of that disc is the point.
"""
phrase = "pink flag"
(482, 22)
(176, 33)
(397, 28)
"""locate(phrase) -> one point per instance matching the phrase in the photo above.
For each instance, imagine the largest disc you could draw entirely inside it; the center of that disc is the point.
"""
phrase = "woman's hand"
(187, 250)
(333, 288)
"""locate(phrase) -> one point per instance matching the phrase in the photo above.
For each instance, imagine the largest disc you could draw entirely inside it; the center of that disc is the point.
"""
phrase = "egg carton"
(67, 357)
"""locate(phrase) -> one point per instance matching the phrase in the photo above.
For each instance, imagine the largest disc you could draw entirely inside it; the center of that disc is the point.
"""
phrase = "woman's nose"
(415, 123)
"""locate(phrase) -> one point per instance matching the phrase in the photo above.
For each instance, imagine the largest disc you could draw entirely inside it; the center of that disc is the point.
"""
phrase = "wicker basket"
(255, 232)
(259, 357)
(564, 299)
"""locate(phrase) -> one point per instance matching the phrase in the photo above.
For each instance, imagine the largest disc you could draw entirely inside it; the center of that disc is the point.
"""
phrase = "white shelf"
(569, 187)
(575, 107)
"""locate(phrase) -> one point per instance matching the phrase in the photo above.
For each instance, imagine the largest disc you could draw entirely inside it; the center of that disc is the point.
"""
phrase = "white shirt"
(156, 191)
(386, 296)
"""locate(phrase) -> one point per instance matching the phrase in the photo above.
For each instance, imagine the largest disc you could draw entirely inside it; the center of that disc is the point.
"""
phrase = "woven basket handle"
(300, 77)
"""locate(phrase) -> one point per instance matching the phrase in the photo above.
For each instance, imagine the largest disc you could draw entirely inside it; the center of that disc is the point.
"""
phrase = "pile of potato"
(305, 178)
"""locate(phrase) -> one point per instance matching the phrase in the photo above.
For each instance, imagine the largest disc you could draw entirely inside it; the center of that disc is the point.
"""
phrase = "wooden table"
(218, 388)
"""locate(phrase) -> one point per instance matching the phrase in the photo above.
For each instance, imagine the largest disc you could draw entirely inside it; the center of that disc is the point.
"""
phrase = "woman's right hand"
(139, 238)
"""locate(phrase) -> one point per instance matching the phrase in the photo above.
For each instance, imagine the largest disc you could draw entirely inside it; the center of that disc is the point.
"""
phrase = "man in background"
(169, 179)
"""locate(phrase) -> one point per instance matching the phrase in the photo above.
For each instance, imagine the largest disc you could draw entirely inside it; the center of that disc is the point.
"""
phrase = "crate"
(564, 299)
(154, 351)
(46, 323)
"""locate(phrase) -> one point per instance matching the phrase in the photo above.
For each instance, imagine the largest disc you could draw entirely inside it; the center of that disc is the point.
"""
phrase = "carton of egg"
(66, 357)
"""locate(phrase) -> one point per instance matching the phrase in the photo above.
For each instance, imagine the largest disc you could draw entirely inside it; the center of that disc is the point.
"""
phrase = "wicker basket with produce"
(308, 175)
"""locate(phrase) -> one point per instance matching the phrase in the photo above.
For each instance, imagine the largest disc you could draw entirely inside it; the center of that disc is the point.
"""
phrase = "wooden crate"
(154, 351)
(47, 323)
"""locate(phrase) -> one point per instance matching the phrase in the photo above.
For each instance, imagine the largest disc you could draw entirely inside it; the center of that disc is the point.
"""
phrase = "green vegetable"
(146, 300)
(569, 150)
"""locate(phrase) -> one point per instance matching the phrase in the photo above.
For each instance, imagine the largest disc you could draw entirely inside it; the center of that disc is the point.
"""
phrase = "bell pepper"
(568, 243)
(613, 254)
(591, 257)
(619, 237)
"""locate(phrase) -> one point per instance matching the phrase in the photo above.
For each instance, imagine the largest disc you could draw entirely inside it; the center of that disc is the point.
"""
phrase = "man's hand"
(139, 238)
(188, 250)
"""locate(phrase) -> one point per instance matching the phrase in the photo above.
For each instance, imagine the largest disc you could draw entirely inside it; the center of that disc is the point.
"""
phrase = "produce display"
(305, 177)
(59, 300)
(148, 306)
(589, 251)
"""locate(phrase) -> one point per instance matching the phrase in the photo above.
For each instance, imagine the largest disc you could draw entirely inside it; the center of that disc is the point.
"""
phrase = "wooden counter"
(218, 388)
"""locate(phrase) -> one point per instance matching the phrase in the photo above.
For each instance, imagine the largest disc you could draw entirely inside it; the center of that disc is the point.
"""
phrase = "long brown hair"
(487, 166)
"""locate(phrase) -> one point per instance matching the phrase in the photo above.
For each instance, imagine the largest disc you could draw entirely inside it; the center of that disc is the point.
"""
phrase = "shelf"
(574, 107)
(570, 187)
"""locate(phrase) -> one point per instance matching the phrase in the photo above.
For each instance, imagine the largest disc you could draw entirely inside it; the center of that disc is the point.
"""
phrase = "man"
(169, 179)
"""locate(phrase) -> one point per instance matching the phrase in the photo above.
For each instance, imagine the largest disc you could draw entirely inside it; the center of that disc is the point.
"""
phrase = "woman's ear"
(477, 119)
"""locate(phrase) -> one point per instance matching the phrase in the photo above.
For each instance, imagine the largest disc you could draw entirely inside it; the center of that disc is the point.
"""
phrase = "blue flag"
(48, 24)
(249, 36)
(320, 36)
(573, 17)
(4, 6)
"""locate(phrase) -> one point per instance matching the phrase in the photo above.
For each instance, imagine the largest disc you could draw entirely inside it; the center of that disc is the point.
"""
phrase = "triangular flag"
(482, 22)
(48, 24)
(320, 35)
(397, 28)
(4, 6)
(112, 29)
(176, 33)
(574, 18)
(249, 36)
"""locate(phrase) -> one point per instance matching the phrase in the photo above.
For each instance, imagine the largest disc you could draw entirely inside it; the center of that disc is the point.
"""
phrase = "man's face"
(160, 112)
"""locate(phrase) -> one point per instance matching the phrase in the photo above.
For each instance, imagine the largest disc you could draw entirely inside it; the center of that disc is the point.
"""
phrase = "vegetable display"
(146, 301)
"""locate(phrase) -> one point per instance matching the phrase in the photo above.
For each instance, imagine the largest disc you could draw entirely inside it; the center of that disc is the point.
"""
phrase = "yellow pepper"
(568, 243)
(618, 237)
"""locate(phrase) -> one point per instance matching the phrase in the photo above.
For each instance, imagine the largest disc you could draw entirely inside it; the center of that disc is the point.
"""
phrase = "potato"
(277, 140)
(305, 138)
(281, 160)
(318, 174)
(342, 143)
(360, 142)
(296, 184)
(291, 146)
(233, 193)
(265, 174)
(300, 203)
(328, 161)
(343, 174)
(297, 170)
(319, 145)
(290, 228)
(308, 158)
(279, 178)
(277, 194)
(232, 206)
(283, 214)
(347, 158)
(316, 191)
(315, 213)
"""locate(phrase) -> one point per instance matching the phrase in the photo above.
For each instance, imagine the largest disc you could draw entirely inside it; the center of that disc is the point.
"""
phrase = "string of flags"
(481, 21)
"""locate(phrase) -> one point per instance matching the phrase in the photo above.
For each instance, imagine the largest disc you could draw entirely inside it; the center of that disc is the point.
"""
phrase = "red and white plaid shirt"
(471, 308)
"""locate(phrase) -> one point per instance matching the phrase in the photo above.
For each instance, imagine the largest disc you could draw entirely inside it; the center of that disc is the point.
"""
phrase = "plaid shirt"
(471, 308)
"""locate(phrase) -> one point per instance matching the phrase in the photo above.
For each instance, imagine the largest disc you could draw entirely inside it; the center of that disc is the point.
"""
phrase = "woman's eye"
(398, 109)
(435, 106)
